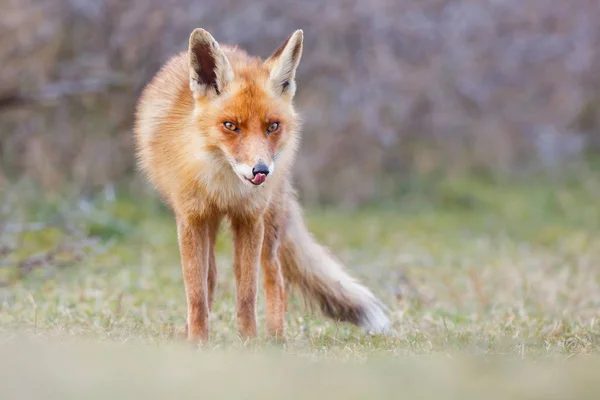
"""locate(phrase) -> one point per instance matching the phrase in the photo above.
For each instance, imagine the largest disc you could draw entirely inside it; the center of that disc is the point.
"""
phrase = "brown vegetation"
(385, 86)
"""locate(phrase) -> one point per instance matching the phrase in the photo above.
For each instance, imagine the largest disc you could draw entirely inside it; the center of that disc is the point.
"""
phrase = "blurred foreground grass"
(469, 268)
(50, 370)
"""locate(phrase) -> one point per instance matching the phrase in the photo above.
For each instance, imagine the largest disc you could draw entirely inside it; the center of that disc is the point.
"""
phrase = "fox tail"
(321, 279)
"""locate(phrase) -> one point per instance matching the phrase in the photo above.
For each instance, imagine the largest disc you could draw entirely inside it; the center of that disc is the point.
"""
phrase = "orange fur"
(203, 171)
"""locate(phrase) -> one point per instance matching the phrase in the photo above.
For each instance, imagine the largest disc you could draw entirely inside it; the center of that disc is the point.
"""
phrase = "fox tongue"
(259, 178)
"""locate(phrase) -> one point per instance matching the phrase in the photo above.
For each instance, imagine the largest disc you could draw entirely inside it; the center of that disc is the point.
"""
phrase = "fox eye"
(230, 126)
(273, 127)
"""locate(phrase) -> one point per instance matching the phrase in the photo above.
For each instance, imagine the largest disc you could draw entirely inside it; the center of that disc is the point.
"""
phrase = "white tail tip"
(375, 321)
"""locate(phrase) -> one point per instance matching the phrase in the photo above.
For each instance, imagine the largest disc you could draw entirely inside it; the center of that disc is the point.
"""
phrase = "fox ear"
(210, 70)
(283, 63)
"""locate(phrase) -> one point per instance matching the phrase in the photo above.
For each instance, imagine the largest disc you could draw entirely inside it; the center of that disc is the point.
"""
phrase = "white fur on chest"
(220, 187)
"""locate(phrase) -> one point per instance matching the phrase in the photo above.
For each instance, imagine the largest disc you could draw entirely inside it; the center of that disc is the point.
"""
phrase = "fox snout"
(257, 174)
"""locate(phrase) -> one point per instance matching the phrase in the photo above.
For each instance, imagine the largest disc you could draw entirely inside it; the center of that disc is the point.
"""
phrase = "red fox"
(216, 133)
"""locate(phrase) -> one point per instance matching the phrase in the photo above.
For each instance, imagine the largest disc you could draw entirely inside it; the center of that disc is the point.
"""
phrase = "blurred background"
(391, 91)
(450, 158)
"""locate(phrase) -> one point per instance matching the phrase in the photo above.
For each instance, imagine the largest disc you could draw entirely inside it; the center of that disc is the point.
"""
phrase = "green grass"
(504, 275)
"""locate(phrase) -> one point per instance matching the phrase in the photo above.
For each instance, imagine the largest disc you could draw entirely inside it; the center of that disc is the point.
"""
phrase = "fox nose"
(260, 168)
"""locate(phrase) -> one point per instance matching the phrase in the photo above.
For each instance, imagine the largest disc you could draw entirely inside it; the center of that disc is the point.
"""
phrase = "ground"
(502, 276)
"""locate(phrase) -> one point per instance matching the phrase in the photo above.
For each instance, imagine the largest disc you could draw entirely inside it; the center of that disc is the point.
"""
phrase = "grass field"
(493, 289)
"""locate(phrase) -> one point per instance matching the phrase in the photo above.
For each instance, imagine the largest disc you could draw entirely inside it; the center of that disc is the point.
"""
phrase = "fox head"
(242, 105)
